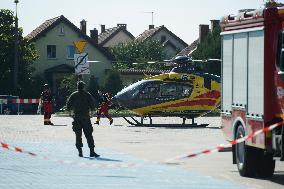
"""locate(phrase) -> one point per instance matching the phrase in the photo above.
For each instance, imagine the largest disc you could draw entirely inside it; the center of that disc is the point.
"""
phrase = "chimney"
(151, 27)
(103, 28)
(94, 35)
(203, 32)
(83, 26)
(122, 25)
(214, 24)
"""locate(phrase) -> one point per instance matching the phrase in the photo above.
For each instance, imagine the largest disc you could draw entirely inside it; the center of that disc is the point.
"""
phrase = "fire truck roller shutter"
(227, 73)
(240, 69)
(256, 73)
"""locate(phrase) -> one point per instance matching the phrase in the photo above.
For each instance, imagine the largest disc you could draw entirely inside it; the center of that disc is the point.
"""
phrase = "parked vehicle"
(7, 106)
(253, 87)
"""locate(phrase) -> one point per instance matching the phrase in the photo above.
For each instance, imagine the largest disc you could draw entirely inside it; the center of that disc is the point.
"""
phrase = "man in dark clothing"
(104, 103)
(81, 102)
(46, 101)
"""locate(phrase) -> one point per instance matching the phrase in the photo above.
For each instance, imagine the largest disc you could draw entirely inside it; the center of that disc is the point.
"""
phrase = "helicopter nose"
(114, 100)
(120, 100)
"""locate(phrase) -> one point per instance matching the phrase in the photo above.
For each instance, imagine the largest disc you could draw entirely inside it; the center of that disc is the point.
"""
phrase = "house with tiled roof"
(113, 36)
(172, 43)
(189, 49)
(54, 40)
(203, 32)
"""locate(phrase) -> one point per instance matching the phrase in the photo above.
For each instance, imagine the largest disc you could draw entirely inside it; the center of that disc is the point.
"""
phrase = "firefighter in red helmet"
(46, 101)
(104, 103)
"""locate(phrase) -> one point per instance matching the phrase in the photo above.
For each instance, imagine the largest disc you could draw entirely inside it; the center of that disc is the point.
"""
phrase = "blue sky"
(182, 17)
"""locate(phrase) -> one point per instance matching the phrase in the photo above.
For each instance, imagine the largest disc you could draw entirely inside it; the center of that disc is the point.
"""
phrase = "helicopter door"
(149, 94)
(174, 91)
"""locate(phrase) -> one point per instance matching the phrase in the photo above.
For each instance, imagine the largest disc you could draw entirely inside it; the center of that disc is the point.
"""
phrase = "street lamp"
(16, 56)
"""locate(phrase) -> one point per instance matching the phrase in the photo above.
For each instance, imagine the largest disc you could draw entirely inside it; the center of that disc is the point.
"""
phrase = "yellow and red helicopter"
(184, 92)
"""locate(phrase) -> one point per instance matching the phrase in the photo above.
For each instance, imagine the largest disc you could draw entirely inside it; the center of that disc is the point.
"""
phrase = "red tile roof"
(189, 49)
(151, 32)
(111, 32)
(44, 26)
(51, 23)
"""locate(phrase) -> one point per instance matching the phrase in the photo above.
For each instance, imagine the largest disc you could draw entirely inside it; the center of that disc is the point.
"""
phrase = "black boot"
(80, 152)
(93, 153)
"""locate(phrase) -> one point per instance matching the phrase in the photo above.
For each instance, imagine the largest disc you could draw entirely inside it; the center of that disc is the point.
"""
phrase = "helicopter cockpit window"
(150, 91)
(168, 89)
(177, 90)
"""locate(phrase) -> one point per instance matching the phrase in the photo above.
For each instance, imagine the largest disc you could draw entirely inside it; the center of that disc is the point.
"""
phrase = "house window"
(61, 30)
(163, 38)
(70, 51)
(51, 51)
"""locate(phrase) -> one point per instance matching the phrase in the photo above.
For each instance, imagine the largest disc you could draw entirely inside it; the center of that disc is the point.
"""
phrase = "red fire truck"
(253, 87)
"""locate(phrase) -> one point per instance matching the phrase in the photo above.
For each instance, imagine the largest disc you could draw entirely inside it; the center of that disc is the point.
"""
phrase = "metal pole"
(152, 18)
(18, 106)
(16, 56)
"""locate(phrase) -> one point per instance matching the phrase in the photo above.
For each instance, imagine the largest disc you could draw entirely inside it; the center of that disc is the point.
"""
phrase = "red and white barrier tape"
(25, 101)
(69, 162)
(222, 146)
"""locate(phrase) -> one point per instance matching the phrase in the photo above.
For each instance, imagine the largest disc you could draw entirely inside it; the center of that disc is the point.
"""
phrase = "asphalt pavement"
(131, 157)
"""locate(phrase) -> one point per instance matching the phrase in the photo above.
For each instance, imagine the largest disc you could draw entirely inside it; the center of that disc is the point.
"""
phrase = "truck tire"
(266, 166)
(245, 159)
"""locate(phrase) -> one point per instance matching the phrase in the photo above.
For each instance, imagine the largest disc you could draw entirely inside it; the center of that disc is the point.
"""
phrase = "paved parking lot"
(131, 157)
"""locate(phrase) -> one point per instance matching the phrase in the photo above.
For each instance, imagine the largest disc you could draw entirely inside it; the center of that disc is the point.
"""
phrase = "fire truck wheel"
(245, 158)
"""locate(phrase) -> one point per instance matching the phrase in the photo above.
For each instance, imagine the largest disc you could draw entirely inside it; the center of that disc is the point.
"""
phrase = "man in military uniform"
(81, 102)
(104, 103)
(46, 101)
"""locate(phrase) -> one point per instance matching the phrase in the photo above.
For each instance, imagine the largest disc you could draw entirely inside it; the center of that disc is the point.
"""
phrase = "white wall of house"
(161, 33)
(170, 51)
(63, 39)
(120, 37)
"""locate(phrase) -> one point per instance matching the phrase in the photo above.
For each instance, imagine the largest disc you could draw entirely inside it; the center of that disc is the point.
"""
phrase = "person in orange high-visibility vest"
(46, 101)
(104, 103)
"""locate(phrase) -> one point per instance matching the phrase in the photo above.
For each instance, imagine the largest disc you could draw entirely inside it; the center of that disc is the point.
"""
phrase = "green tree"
(113, 83)
(272, 3)
(67, 86)
(139, 52)
(93, 87)
(210, 48)
(27, 55)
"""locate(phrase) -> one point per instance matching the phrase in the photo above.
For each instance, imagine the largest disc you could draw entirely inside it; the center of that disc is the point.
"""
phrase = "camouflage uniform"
(81, 102)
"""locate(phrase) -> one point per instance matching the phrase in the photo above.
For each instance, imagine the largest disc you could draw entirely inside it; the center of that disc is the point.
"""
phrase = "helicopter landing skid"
(135, 122)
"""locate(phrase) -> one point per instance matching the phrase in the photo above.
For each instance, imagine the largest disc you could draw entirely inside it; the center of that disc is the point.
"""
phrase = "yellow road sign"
(80, 45)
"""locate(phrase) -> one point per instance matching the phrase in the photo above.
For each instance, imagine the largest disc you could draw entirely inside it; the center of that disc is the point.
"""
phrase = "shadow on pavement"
(278, 177)
(119, 176)
(58, 125)
(175, 126)
(172, 126)
(103, 159)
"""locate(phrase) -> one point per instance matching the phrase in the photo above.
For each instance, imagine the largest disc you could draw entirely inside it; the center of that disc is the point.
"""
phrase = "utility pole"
(16, 53)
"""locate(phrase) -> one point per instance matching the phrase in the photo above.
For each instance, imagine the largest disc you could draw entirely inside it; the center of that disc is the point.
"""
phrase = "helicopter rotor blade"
(94, 61)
